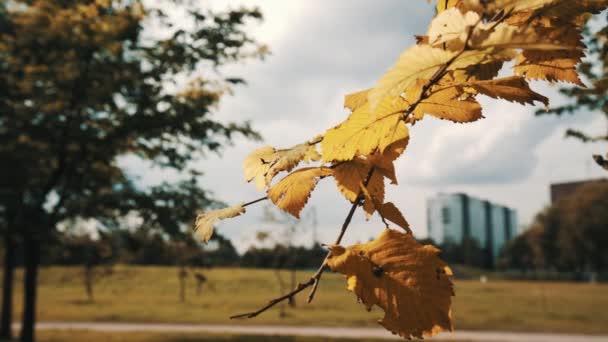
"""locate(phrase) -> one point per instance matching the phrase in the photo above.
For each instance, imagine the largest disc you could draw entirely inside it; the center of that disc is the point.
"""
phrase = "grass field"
(150, 294)
(145, 337)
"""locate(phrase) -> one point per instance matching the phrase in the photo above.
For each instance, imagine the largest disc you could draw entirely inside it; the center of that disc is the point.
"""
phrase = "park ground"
(151, 295)
(147, 337)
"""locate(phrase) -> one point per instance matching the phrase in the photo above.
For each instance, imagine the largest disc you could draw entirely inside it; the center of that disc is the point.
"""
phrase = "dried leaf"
(390, 212)
(513, 88)
(265, 163)
(451, 27)
(355, 100)
(407, 280)
(349, 176)
(205, 221)
(374, 193)
(417, 62)
(446, 104)
(293, 191)
(550, 66)
(362, 134)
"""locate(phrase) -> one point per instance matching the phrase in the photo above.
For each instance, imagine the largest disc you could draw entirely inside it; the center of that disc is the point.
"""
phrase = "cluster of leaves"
(594, 97)
(459, 58)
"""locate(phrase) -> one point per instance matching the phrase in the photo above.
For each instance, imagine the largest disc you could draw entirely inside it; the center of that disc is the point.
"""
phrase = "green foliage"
(83, 84)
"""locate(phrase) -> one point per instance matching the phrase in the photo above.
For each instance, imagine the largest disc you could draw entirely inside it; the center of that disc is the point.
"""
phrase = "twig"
(255, 201)
(315, 278)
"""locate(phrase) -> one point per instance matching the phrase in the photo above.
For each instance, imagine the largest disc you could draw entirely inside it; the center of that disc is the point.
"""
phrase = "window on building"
(445, 215)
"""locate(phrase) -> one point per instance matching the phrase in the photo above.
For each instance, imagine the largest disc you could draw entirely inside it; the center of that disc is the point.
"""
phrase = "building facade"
(562, 190)
(459, 219)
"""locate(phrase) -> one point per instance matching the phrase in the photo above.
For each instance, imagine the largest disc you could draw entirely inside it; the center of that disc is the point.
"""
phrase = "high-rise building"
(459, 219)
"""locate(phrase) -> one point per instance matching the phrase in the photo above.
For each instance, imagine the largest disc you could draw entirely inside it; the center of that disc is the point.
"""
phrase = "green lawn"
(150, 294)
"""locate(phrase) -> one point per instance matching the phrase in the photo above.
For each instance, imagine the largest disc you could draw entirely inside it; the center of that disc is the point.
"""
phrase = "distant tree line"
(569, 236)
(142, 247)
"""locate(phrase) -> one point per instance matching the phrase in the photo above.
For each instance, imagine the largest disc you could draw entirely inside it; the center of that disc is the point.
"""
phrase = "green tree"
(83, 83)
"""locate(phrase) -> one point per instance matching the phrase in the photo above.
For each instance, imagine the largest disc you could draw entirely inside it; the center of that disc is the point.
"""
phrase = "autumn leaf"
(390, 212)
(550, 66)
(422, 62)
(513, 88)
(205, 221)
(355, 100)
(417, 62)
(293, 191)
(374, 193)
(462, 5)
(384, 161)
(265, 163)
(446, 104)
(407, 280)
(363, 133)
(451, 27)
(350, 175)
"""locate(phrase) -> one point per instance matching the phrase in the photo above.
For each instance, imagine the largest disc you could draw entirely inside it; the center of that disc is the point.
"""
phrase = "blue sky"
(322, 50)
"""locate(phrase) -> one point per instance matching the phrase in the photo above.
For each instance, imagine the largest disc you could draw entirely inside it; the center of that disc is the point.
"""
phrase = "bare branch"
(255, 201)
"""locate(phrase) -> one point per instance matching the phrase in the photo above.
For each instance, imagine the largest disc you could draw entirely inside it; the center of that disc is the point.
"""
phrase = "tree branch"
(255, 201)
(315, 278)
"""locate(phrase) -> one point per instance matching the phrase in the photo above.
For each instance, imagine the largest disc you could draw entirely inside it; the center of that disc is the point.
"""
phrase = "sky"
(322, 50)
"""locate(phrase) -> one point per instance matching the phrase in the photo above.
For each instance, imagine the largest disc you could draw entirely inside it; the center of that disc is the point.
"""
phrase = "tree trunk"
(182, 283)
(7, 287)
(32, 260)
(88, 281)
(292, 300)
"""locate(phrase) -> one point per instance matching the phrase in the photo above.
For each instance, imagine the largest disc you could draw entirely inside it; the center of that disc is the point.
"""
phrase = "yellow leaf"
(355, 100)
(362, 134)
(512, 88)
(374, 192)
(445, 104)
(407, 280)
(443, 5)
(553, 12)
(293, 191)
(550, 66)
(349, 176)
(205, 221)
(463, 5)
(451, 27)
(390, 212)
(526, 37)
(257, 164)
(384, 162)
(417, 62)
(265, 163)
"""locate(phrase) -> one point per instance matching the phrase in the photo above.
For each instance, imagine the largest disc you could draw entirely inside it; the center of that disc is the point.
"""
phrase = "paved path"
(345, 332)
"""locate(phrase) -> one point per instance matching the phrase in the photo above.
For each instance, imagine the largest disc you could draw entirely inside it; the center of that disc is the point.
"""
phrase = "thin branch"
(315, 278)
(255, 201)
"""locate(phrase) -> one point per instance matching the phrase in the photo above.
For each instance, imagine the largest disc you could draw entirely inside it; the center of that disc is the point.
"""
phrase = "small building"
(459, 219)
(561, 190)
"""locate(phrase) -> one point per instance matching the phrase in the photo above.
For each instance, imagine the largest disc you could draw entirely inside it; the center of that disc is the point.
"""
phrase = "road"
(345, 332)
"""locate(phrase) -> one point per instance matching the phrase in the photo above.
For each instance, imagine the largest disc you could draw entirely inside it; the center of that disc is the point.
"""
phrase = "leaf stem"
(255, 201)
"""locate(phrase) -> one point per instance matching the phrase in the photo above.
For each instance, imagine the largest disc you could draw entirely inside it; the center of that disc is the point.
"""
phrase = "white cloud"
(323, 50)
